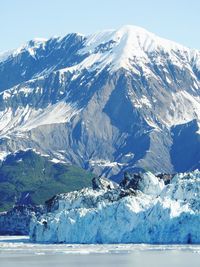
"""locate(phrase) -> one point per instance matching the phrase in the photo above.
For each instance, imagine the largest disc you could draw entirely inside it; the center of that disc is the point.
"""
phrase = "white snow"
(25, 119)
(130, 154)
(55, 160)
(198, 131)
(168, 80)
(188, 107)
(144, 101)
(36, 43)
(25, 90)
(31, 48)
(124, 46)
(105, 163)
(5, 55)
(3, 155)
(131, 43)
(130, 47)
(6, 95)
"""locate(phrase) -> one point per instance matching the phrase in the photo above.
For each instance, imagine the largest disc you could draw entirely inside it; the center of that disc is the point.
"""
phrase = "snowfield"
(141, 210)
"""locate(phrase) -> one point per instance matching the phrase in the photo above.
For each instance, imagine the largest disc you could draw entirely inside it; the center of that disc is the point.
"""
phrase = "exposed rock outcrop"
(99, 183)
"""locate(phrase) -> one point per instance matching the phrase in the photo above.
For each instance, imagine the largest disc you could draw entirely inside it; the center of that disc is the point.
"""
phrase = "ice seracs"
(139, 213)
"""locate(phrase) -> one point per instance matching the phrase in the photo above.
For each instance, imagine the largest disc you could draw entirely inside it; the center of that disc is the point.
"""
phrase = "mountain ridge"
(111, 100)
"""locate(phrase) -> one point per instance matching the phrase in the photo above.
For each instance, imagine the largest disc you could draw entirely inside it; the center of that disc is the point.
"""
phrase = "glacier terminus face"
(141, 209)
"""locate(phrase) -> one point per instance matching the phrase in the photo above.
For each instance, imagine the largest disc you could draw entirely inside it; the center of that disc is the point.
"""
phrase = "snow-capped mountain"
(112, 101)
(141, 210)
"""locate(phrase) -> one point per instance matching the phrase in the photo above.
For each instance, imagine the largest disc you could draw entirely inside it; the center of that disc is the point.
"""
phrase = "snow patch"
(105, 163)
(6, 95)
(3, 155)
(189, 109)
(27, 118)
(144, 101)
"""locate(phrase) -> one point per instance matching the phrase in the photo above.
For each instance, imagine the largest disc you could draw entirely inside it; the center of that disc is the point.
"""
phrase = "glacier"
(143, 208)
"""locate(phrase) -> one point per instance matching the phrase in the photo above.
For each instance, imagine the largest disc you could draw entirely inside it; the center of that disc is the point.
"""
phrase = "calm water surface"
(19, 252)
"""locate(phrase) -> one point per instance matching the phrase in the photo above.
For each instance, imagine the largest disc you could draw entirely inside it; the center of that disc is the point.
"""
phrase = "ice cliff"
(142, 209)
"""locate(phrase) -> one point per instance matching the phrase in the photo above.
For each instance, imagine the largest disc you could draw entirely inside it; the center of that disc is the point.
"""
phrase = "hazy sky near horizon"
(23, 20)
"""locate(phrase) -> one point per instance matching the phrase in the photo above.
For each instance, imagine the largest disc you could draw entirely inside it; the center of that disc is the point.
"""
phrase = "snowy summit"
(120, 48)
(112, 101)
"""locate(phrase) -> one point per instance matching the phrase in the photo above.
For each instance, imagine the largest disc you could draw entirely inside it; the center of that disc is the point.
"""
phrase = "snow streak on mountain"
(112, 101)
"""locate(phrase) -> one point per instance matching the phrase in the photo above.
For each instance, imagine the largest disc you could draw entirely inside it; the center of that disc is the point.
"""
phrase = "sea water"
(20, 252)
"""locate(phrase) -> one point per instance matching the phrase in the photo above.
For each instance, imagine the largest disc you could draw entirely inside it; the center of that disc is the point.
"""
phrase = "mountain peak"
(35, 42)
(114, 49)
(132, 29)
(137, 118)
(127, 45)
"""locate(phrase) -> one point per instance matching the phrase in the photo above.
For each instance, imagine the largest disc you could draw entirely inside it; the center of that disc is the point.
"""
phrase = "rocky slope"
(141, 210)
(113, 101)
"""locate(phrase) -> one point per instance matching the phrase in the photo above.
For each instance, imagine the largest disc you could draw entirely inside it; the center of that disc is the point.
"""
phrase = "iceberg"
(141, 209)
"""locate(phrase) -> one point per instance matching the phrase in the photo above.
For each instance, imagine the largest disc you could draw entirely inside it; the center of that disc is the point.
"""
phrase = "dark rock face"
(131, 180)
(17, 220)
(99, 183)
(48, 55)
(51, 204)
(166, 177)
(186, 136)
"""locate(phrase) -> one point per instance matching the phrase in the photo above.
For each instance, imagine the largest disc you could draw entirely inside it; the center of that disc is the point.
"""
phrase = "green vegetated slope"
(29, 178)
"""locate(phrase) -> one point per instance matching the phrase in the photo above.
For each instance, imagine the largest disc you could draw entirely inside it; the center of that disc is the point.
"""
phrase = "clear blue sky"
(22, 20)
